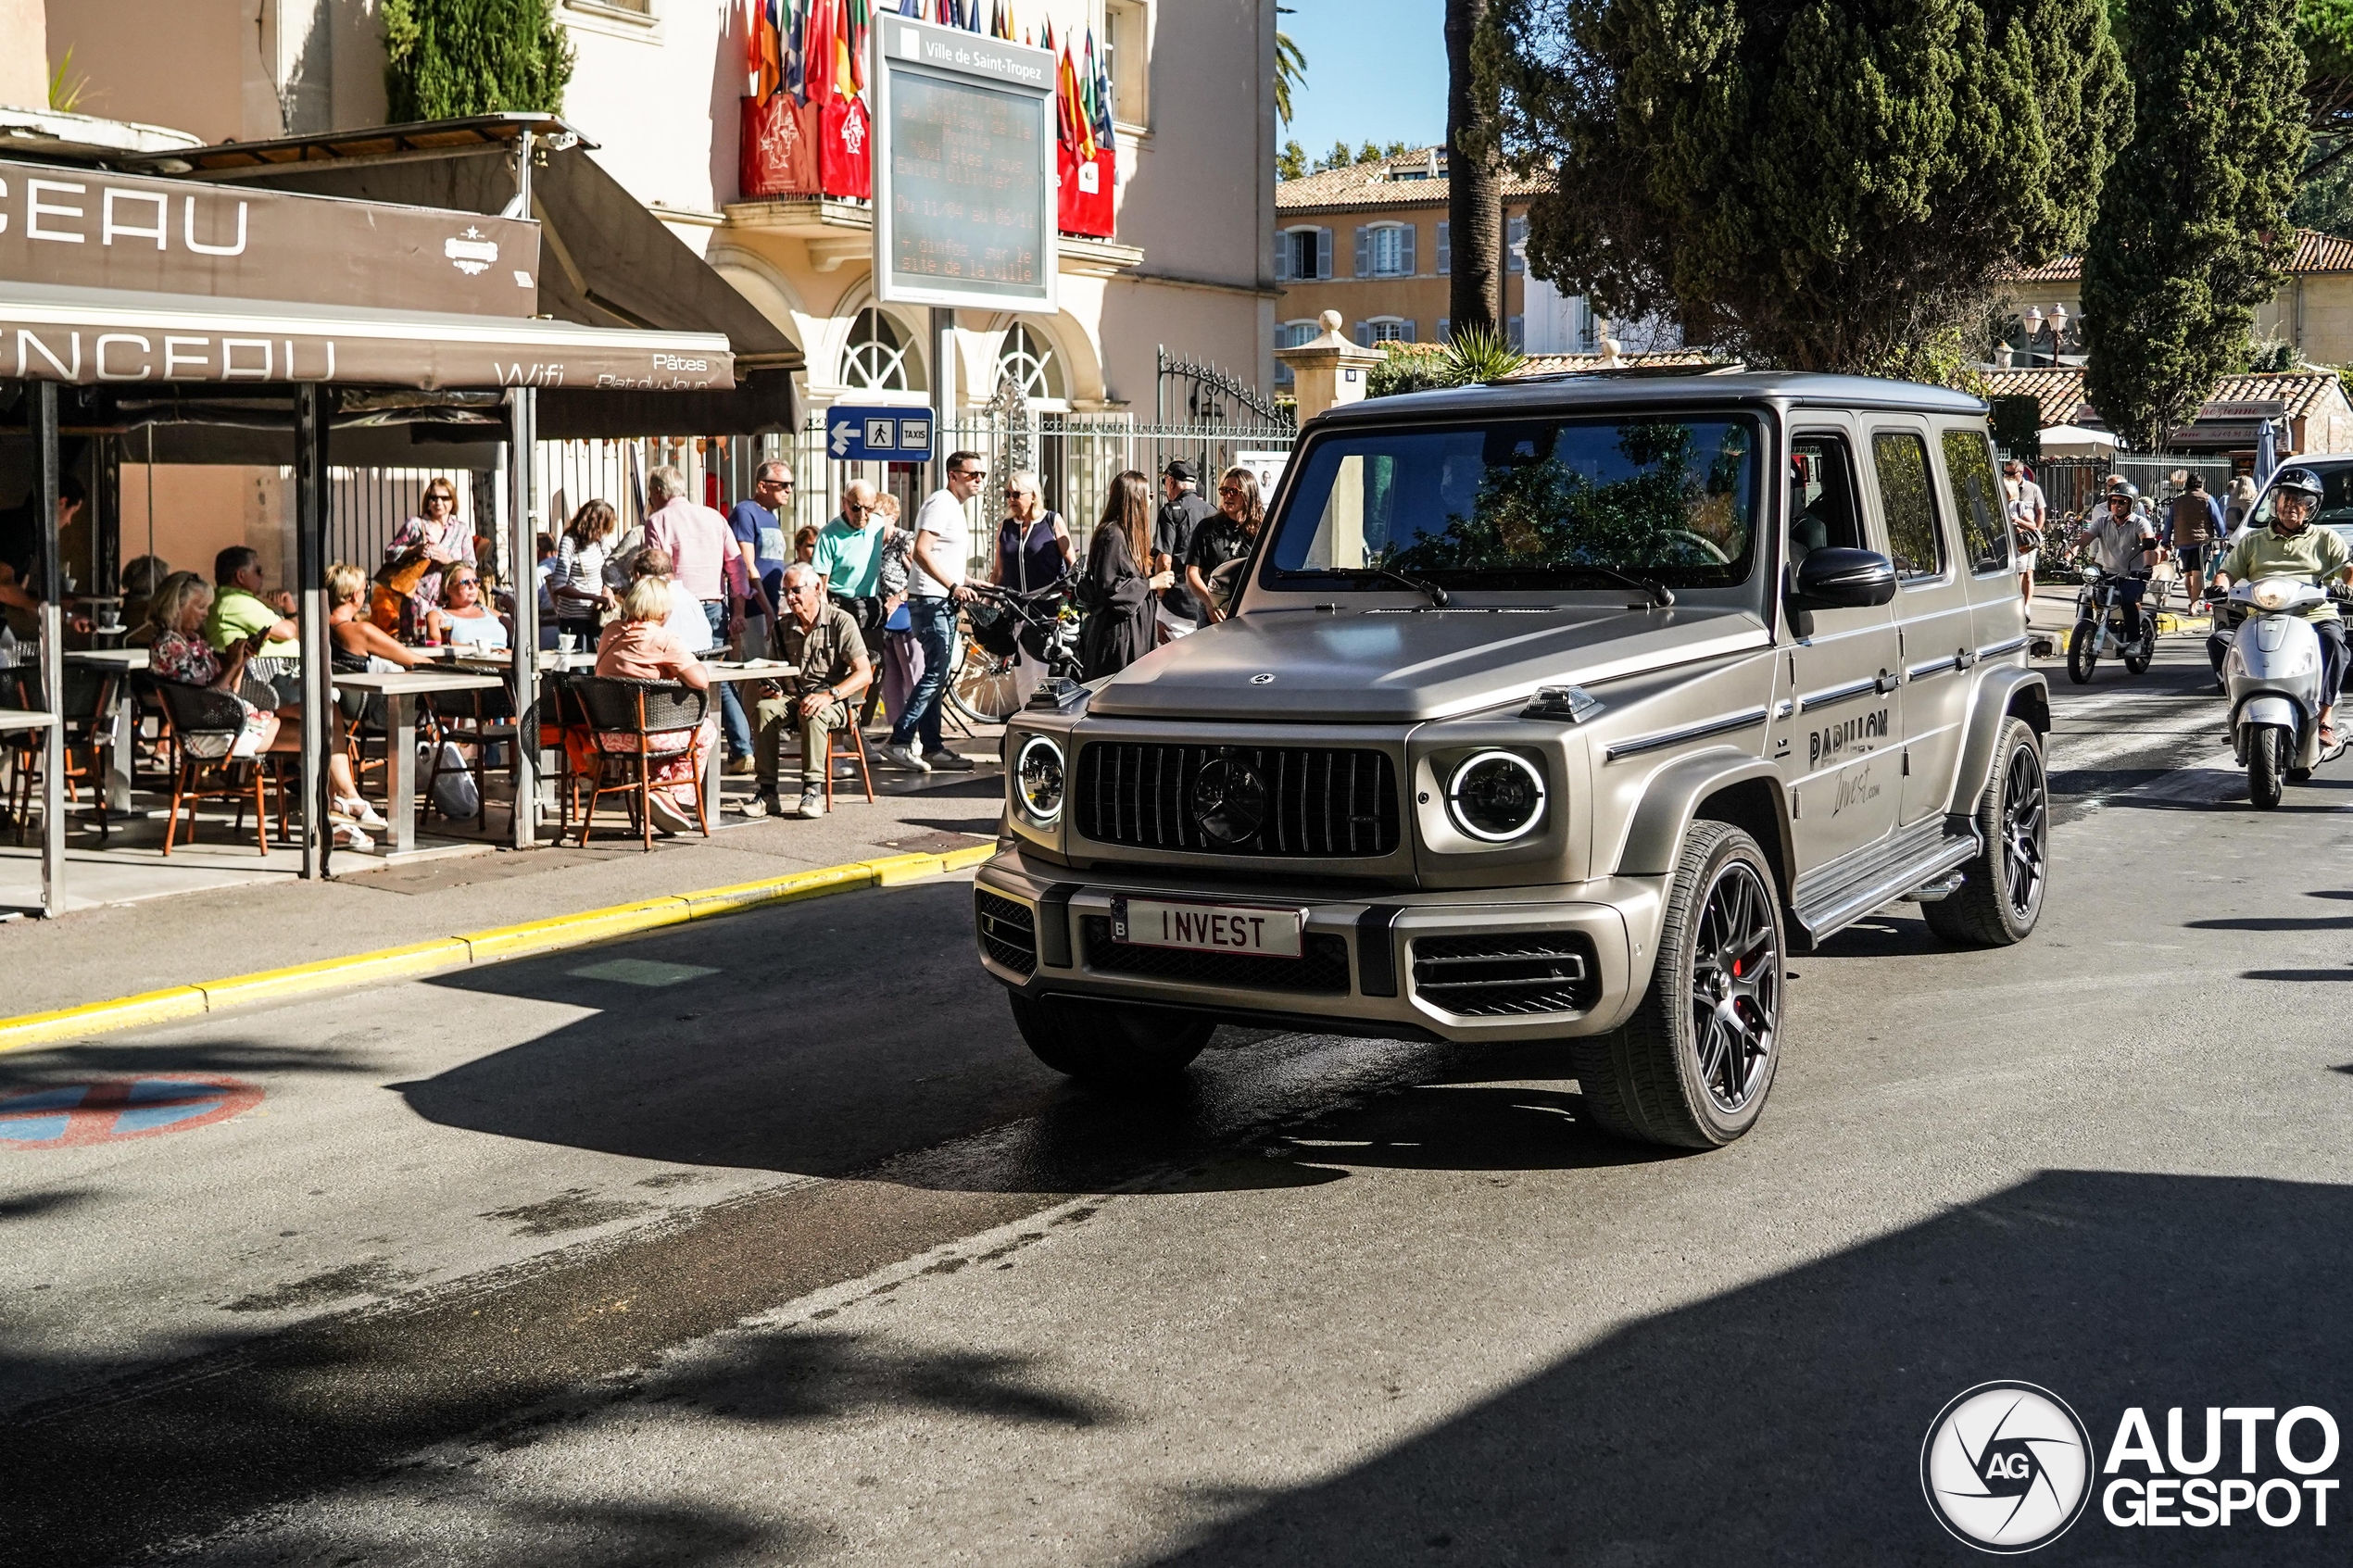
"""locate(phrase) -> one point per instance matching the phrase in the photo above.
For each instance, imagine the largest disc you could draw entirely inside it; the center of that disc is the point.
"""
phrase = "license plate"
(1208, 928)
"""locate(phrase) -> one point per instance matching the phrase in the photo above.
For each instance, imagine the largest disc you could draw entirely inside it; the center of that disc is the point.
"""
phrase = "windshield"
(2336, 498)
(1528, 505)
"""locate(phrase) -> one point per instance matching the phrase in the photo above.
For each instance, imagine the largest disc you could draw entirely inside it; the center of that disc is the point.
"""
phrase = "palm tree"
(1475, 192)
(1291, 66)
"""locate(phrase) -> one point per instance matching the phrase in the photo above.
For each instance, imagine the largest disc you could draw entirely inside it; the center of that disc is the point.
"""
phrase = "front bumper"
(1372, 968)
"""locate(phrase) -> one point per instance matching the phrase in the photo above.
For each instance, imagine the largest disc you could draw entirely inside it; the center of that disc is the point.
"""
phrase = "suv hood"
(1384, 666)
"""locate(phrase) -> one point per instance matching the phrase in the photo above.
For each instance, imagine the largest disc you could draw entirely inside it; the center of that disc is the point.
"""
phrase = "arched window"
(877, 358)
(1032, 362)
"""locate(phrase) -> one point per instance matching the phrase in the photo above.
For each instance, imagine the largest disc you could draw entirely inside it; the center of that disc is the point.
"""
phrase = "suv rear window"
(1529, 504)
(1977, 500)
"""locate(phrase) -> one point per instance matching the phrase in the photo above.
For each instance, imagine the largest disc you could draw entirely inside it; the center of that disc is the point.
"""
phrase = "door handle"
(1887, 682)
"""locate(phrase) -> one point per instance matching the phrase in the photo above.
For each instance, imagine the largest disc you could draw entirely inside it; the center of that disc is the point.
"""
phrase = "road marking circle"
(102, 1111)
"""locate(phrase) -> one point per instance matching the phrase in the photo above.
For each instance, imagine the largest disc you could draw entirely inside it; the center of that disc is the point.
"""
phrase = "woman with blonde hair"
(641, 647)
(1115, 593)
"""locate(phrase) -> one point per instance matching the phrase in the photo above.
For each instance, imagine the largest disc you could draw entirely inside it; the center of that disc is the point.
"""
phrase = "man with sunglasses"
(760, 533)
(850, 557)
(943, 543)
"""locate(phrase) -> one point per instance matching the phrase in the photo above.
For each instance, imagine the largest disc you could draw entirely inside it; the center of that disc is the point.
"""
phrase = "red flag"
(819, 68)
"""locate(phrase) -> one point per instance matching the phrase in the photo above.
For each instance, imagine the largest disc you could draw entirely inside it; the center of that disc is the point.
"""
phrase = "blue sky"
(1376, 71)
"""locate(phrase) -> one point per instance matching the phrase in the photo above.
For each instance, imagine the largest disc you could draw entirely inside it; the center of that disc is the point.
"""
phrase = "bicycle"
(996, 628)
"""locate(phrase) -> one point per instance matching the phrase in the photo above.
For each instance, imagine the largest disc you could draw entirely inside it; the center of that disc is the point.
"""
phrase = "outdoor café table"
(401, 693)
(122, 661)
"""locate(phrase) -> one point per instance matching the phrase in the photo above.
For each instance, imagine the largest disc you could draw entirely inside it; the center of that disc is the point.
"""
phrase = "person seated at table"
(182, 653)
(462, 619)
(357, 644)
(821, 640)
(687, 621)
(141, 576)
(641, 647)
(239, 613)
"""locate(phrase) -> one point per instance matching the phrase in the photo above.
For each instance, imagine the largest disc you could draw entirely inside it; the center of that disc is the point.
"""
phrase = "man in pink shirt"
(698, 542)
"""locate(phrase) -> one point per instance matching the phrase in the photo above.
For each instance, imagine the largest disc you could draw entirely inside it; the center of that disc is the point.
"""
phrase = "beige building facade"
(1372, 241)
(657, 87)
(2312, 312)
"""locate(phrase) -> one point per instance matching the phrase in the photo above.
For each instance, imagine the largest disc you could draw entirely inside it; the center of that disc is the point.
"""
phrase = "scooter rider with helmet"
(2122, 541)
(2290, 547)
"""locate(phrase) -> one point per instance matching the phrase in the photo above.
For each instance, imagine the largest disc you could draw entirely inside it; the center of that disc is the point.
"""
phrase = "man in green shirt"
(850, 553)
(2287, 546)
(238, 610)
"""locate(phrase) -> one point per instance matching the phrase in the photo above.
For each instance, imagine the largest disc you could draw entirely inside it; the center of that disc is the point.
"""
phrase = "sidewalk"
(117, 950)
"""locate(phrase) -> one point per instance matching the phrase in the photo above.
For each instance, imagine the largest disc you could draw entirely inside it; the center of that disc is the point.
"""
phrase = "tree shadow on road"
(1782, 1422)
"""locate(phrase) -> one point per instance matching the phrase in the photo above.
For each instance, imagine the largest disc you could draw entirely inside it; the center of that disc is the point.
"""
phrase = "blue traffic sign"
(879, 435)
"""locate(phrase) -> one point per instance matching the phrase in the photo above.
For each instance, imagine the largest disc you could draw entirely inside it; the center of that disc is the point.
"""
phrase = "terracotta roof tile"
(1572, 364)
(2061, 391)
(2315, 252)
(1393, 182)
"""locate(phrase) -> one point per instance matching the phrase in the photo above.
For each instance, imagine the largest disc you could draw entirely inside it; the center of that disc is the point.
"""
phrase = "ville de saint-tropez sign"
(965, 176)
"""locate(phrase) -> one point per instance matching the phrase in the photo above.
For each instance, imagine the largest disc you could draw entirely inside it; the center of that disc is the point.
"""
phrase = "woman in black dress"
(1117, 594)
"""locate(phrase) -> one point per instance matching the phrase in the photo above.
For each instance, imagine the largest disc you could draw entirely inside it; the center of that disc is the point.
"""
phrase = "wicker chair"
(478, 719)
(658, 720)
(89, 729)
(201, 713)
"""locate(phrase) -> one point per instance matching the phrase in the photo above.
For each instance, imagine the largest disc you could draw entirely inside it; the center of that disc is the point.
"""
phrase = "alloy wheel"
(2024, 806)
(1736, 986)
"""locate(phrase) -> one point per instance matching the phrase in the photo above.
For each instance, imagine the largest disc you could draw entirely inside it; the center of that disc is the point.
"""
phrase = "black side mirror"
(1834, 578)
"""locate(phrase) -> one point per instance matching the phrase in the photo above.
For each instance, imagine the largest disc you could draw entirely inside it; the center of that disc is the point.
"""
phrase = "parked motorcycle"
(2272, 674)
(2099, 627)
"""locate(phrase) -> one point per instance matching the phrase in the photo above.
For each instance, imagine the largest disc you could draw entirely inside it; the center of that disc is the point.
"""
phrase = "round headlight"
(1037, 779)
(2271, 592)
(1496, 795)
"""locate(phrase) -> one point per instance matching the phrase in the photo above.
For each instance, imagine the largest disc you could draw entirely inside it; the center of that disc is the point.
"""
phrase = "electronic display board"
(964, 196)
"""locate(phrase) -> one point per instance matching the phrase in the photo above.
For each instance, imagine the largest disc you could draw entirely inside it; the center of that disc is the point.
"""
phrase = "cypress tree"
(1831, 185)
(446, 60)
(2192, 231)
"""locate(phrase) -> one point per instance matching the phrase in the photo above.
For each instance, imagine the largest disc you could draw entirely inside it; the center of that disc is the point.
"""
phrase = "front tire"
(1110, 1045)
(2000, 892)
(2137, 656)
(2267, 756)
(2084, 652)
(1692, 1068)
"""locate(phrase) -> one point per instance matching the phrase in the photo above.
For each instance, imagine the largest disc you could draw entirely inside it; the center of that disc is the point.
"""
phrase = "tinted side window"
(1822, 497)
(1905, 495)
(1977, 500)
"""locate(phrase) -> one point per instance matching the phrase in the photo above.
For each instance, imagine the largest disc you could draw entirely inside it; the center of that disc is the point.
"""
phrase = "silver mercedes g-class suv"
(1557, 709)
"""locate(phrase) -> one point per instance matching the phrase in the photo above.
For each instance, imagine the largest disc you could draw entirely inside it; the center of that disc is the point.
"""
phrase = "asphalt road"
(765, 1241)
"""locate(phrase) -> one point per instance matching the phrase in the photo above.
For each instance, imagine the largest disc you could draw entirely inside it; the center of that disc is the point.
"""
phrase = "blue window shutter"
(1363, 251)
(1517, 243)
(1445, 329)
(1405, 251)
(1405, 331)
(1364, 334)
(1283, 242)
(1445, 251)
(1323, 253)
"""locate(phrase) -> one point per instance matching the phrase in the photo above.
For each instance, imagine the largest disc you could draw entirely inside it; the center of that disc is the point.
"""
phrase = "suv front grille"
(1321, 969)
(1311, 800)
(1529, 972)
(1008, 930)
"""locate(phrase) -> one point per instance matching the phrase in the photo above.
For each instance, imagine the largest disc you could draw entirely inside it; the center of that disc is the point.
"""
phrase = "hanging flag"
(1102, 93)
(796, 39)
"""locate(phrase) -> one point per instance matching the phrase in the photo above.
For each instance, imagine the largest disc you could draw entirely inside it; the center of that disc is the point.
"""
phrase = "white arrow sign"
(843, 434)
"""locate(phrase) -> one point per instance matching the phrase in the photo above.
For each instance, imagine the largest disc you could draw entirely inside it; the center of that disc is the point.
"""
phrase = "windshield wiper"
(1659, 593)
(1437, 595)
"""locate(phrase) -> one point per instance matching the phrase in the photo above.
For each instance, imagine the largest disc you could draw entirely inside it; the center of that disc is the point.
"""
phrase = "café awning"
(113, 337)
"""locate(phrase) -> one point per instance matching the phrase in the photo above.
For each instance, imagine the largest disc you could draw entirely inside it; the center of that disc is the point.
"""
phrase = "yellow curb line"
(475, 946)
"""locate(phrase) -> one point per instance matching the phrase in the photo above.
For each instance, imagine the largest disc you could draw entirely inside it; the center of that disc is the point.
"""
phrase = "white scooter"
(2272, 674)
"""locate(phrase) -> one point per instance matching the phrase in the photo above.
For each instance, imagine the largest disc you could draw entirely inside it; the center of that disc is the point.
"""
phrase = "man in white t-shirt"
(934, 589)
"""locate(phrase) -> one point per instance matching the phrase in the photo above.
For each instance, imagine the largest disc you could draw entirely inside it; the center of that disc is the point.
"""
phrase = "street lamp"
(2058, 330)
(2033, 330)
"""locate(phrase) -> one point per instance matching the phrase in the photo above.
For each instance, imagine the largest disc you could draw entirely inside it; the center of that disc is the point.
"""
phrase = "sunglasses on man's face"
(976, 475)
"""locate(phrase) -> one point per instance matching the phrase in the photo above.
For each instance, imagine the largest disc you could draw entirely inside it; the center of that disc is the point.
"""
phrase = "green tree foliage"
(1825, 185)
(1291, 162)
(1471, 358)
(2324, 31)
(2192, 231)
(448, 58)
(1291, 72)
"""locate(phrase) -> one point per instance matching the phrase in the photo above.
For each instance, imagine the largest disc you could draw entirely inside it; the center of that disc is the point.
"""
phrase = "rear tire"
(2000, 892)
(1111, 1046)
(1692, 1068)
(2082, 652)
(2267, 754)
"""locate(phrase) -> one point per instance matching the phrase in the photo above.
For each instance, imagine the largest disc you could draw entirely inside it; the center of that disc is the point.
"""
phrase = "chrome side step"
(1916, 859)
